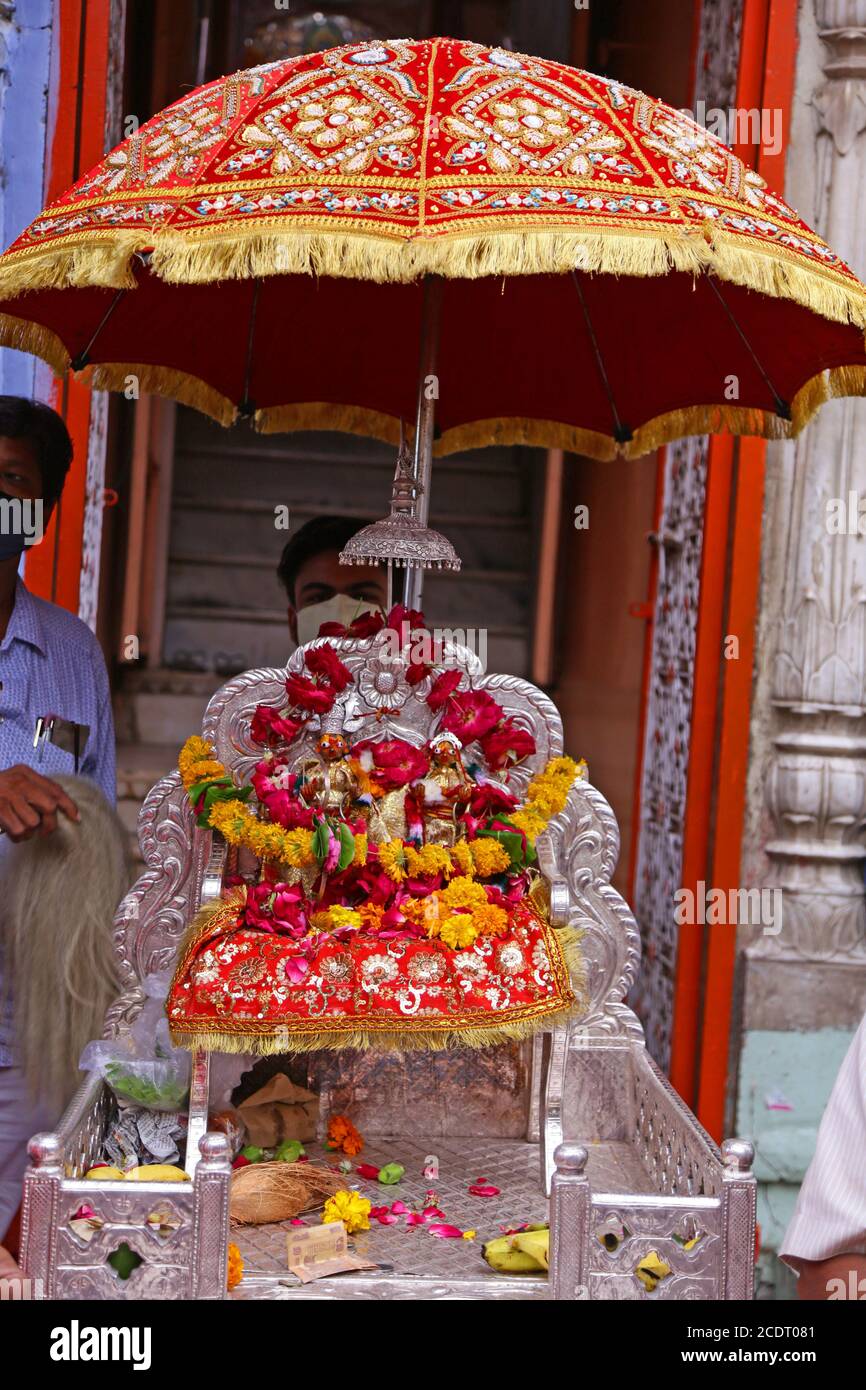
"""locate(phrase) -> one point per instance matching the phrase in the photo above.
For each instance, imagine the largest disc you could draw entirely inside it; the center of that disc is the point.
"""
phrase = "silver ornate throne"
(579, 1122)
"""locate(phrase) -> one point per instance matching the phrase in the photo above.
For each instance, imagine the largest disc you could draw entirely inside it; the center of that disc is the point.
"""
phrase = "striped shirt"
(51, 663)
(830, 1215)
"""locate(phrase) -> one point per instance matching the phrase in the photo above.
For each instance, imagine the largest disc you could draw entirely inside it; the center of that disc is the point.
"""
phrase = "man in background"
(50, 665)
(320, 589)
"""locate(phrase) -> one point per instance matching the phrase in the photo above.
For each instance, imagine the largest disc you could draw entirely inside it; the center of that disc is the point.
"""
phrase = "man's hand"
(29, 803)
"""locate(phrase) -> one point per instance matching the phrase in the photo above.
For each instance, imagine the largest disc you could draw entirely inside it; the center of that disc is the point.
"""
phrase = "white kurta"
(830, 1216)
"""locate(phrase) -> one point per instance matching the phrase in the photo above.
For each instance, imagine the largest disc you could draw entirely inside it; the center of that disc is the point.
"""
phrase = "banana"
(104, 1173)
(501, 1256)
(535, 1244)
(521, 1253)
(157, 1172)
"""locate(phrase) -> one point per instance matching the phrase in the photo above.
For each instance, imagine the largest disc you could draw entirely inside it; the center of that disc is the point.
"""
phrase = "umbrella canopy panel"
(546, 359)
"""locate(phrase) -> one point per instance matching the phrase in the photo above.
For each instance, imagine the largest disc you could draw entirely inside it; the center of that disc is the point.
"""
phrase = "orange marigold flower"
(371, 916)
(463, 892)
(235, 1271)
(342, 1134)
(458, 931)
(490, 920)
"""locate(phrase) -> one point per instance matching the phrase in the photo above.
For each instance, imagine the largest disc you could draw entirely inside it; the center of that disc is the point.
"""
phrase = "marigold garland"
(546, 795)
(485, 856)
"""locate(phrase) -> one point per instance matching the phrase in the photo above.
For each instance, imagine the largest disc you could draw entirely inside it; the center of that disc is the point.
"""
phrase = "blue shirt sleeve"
(99, 757)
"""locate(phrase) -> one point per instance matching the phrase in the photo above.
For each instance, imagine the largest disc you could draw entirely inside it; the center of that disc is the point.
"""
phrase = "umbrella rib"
(783, 409)
(247, 407)
(80, 360)
(621, 433)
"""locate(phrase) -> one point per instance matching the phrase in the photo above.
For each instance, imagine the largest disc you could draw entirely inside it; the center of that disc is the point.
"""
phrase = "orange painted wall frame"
(80, 66)
(718, 758)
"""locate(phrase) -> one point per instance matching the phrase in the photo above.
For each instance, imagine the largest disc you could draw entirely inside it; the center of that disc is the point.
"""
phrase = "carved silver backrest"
(577, 852)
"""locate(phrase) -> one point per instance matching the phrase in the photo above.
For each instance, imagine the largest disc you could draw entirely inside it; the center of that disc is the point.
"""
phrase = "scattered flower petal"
(367, 1170)
(445, 1232)
(484, 1190)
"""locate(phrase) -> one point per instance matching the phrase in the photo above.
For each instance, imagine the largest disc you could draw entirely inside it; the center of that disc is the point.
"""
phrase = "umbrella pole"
(425, 416)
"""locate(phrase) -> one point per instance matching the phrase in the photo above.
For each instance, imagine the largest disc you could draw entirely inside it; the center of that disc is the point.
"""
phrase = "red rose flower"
(443, 688)
(396, 763)
(328, 669)
(269, 726)
(416, 672)
(399, 615)
(487, 799)
(471, 714)
(365, 625)
(507, 744)
(304, 693)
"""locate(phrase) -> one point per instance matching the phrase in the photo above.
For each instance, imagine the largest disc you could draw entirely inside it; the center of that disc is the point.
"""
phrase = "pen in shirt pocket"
(63, 733)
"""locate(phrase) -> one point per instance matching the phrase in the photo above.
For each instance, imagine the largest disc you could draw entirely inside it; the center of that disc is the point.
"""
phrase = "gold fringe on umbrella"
(190, 390)
(162, 381)
(317, 248)
(663, 429)
(26, 336)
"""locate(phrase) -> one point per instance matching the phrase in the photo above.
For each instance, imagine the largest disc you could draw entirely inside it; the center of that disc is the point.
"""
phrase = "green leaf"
(320, 841)
(347, 850)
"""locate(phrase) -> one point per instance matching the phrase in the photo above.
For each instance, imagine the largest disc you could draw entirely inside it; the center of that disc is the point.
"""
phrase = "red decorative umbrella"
(608, 275)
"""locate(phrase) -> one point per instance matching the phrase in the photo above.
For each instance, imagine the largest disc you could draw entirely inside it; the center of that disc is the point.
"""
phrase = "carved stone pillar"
(804, 988)
(816, 783)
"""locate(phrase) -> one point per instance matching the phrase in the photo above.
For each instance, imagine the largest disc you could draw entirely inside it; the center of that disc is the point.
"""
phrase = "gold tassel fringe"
(223, 1037)
(34, 337)
(475, 434)
(554, 434)
(162, 381)
(104, 258)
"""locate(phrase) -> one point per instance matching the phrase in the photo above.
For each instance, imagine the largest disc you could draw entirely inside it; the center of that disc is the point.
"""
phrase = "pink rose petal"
(445, 1232)
(483, 1190)
(400, 1208)
(367, 1170)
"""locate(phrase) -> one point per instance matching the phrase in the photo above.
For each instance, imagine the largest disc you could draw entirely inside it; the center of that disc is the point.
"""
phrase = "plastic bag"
(143, 1067)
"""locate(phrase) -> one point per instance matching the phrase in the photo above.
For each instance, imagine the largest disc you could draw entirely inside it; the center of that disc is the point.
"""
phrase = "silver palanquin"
(579, 1123)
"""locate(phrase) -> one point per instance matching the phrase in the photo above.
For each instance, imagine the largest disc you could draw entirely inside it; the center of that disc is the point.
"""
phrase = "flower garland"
(237, 823)
(547, 794)
(203, 775)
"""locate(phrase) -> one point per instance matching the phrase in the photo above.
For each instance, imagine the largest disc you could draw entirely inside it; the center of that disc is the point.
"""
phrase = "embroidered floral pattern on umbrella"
(558, 206)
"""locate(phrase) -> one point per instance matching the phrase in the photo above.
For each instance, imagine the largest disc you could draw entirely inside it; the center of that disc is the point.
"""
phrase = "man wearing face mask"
(55, 716)
(320, 589)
